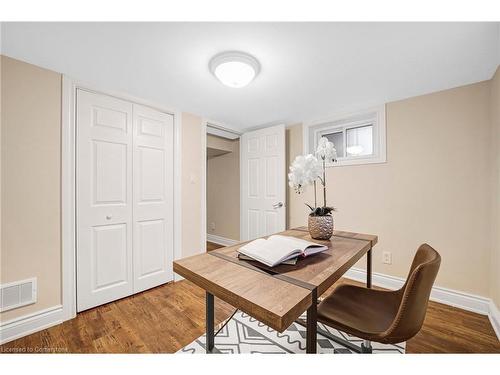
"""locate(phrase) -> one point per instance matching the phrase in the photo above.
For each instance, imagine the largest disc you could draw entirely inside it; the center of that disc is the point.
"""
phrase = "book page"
(269, 252)
(296, 243)
(306, 247)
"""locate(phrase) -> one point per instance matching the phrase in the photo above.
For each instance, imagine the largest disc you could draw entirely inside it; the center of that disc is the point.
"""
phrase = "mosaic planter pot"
(321, 227)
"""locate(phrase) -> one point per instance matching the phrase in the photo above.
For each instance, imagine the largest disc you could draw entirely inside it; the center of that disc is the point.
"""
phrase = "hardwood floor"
(166, 318)
(212, 246)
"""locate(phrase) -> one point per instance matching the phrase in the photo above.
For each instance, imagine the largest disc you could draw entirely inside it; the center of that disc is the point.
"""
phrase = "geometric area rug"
(242, 334)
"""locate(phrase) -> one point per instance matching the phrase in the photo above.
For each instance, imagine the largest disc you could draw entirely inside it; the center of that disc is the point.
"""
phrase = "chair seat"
(362, 312)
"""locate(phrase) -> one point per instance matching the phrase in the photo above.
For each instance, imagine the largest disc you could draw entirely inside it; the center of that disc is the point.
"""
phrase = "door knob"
(108, 217)
(278, 205)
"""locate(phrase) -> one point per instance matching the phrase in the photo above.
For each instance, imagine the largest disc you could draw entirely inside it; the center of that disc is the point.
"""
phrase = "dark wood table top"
(279, 295)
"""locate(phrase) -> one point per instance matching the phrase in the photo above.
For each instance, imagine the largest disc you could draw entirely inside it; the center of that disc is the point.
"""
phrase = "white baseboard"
(462, 300)
(221, 240)
(494, 316)
(378, 279)
(465, 301)
(177, 277)
(30, 323)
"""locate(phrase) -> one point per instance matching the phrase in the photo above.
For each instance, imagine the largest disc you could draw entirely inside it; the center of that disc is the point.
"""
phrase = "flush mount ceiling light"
(234, 69)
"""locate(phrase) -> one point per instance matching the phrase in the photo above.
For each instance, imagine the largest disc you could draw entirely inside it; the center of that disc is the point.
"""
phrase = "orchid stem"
(315, 204)
(324, 183)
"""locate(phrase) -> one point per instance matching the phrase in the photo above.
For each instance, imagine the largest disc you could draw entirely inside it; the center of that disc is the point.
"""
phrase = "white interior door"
(104, 199)
(153, 197)
(124, 198)
(263, 182)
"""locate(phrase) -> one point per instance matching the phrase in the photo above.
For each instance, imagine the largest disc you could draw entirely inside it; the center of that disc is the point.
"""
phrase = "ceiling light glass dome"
(234, 69)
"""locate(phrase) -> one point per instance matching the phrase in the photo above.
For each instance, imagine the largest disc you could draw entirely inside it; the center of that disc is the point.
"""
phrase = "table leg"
(312, 324)
(209, 322)
(369, 268)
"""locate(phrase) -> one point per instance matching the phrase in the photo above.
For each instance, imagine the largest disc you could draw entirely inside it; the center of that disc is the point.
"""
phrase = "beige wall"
(435, 187)
(495, 248)
(223, 190)
(30, 212)
(192, 164)
(295, 204)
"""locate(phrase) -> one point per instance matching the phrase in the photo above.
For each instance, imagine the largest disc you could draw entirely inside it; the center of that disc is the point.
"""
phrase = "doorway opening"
(222, 187)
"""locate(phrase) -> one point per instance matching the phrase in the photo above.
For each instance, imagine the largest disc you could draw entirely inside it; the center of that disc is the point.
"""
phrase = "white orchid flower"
(304, 171)
(326, 150)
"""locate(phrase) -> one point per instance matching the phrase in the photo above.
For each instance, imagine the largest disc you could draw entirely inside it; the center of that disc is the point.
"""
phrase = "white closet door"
(104, 199)
(153, 197)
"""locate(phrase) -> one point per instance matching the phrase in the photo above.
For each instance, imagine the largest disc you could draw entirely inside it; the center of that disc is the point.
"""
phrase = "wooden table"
(275, 296)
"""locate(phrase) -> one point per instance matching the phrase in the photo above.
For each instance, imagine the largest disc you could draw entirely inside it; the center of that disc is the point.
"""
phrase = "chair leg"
(347, 344)
(366, 347)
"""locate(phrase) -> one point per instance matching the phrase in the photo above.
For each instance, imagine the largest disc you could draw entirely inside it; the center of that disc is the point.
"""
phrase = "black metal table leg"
(209, 322)
(369, 268)
(312, 324)
(366, 346)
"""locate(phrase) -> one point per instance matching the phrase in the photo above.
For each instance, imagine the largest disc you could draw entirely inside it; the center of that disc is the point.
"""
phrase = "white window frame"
(347, 120)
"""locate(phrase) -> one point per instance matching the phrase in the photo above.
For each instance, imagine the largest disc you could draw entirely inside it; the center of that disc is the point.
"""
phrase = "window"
(359, 137)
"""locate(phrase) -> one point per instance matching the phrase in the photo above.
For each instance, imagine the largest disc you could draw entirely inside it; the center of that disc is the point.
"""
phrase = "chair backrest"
(415, 295)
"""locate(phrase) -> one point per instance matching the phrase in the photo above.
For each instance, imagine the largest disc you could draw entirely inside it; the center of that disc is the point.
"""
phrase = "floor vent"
(17, 294)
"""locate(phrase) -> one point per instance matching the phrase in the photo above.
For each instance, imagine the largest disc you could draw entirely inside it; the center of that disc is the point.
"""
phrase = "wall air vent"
(17, 294)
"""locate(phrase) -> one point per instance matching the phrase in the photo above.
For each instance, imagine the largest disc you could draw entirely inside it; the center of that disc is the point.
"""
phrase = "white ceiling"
(309, 70)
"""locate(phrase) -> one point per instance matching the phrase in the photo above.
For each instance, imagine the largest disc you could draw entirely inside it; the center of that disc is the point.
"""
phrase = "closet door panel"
(153, 197)
(104, 199)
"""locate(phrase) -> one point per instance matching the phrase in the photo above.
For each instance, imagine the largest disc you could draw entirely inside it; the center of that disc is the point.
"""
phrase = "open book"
(277, 249)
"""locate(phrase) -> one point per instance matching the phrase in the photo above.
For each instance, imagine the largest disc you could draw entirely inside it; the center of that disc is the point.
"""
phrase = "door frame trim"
(204, 161)
(68, 183)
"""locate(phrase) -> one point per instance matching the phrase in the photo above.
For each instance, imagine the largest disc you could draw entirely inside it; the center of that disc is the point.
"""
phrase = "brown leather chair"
(384, 316)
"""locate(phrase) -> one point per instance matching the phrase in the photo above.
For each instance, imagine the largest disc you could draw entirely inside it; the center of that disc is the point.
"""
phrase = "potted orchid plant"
(307, 170)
